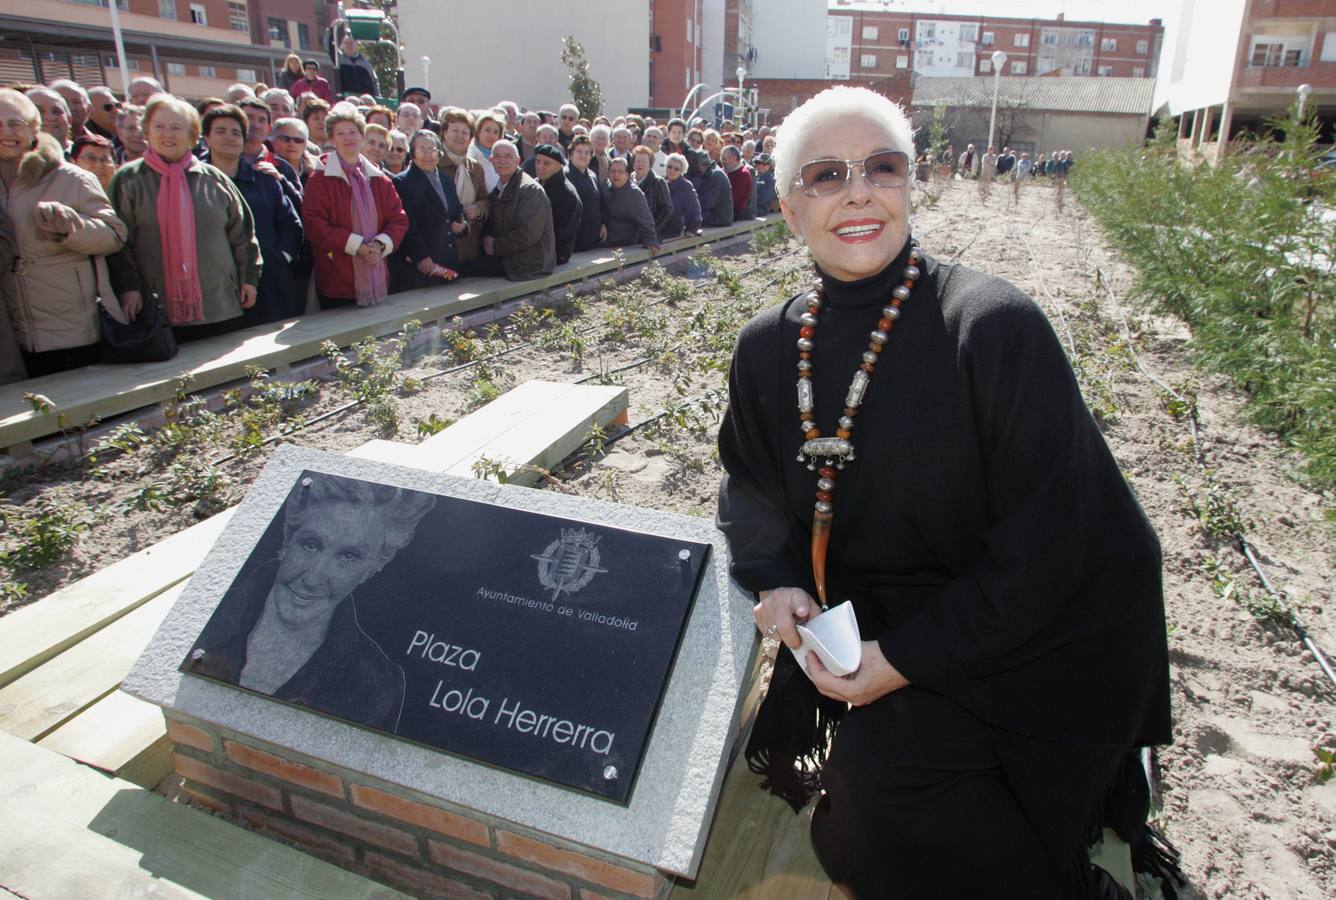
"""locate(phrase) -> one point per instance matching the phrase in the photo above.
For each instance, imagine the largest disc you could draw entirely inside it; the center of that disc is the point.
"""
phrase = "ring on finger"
(770, 632)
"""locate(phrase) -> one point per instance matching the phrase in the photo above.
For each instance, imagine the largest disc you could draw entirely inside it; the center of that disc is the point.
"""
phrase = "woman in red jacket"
(353, 217)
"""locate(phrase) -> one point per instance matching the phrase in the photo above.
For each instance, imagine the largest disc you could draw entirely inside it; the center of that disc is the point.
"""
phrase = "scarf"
(368, 280)
(463, 183)
(176, 229)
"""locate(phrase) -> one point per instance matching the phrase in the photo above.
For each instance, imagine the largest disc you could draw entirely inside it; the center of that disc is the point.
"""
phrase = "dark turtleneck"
(866, 293)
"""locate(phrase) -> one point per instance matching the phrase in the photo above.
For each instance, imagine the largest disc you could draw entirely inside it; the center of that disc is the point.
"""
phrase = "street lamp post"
(741, 72)
(1303, 91)
(999, 59)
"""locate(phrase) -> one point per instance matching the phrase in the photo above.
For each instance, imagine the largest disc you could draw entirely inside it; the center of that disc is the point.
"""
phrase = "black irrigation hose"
(1236, 536)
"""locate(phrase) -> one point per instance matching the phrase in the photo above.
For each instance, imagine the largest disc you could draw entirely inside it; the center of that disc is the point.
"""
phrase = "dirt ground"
(1240, 788)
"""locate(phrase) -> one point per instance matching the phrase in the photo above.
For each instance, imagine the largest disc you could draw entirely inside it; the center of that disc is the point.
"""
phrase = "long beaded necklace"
(834, 452)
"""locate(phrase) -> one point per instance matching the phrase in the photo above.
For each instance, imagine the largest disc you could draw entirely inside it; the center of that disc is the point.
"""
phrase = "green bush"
(1238, 251)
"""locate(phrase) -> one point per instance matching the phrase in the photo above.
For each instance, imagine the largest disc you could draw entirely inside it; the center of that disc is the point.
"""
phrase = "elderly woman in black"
(435, 218)
(1005, 580)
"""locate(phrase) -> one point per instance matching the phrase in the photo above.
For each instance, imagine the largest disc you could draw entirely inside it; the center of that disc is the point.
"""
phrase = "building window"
(923, 59)
(1138, 71)
(902, 62)
(303, 36)
(1329, 47)
(1018, 68)
(1085, 39)
(208, 72)
(238, 17)
(965, 60)
(176, 68)
(1143, 47)
(870, 32)
(198, 14)
(969, 32)
(1108, 44)
(1105, 71)
(1081, 66)
(1275, 55)
(1046, 64)
(1020, 40)
(1049, 37)
(247, 75)
(985, 66)
(111, 63)
(904, 35)
(691, 34)
(927, 31)
(120, 4)
(988, 39)
(278, 32)
(868, 60)
(167, 10)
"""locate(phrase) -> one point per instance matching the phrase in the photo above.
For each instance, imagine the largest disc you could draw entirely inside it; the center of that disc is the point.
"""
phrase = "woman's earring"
(801, 238)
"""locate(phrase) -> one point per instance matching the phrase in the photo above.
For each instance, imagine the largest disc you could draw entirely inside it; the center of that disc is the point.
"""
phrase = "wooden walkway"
(101, 391)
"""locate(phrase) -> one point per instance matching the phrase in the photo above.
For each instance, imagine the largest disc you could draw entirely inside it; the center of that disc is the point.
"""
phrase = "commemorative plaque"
(529, 642)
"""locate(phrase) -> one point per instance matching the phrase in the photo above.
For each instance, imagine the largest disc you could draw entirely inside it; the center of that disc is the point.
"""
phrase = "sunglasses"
(110, 107)
(824, 177)
(289, 139)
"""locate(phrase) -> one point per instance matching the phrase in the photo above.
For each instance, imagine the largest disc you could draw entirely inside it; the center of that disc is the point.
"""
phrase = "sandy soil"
(1239, 786)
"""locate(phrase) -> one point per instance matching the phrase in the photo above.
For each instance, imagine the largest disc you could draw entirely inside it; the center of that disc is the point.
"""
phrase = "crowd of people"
(271, 202)
(1014, 168)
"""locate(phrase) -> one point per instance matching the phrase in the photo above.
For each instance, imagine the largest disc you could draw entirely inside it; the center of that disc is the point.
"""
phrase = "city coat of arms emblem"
(570, 562)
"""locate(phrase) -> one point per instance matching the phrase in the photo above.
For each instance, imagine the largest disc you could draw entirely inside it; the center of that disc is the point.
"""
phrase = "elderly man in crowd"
(103, 108)
(713, 188)
(55, 114)
(653, 139)
(257, 152)
(356, 74)
(767, 200)
(280, 103)
(130, 131)
(567, 118)
(238, 92)
(312, 83)
(409, 118)
(742, 183)
(76, 101)
(142, 88)
(562, 197)
(421, 98)
(528, 137)
(623, 141)
(518, 239)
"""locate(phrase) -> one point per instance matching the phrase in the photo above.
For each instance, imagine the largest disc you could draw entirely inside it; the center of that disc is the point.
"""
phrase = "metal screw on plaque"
(610, 773)
(196, 655)
(684, 554)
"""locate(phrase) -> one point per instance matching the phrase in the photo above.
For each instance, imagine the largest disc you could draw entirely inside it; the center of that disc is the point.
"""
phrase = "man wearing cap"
(567, 209)
(765, 183)
(311, 83)
(421, 98)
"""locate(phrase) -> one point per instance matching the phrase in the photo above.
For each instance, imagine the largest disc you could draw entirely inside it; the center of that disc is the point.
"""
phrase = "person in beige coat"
(60, 224)
(464, 171)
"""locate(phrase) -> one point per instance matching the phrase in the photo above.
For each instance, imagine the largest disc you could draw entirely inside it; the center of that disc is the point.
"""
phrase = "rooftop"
(1063, 94)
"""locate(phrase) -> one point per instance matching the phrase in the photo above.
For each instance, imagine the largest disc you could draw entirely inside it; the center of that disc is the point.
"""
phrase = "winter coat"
(49, 286)
(356, 76)
(287, 78)
(765, 193)
(591, 206)
(743, 187)
(320, 87)
(686, 206)
(626, 213)
(660, 203)
(327, 212)
(226, 250)
(521, 225)
(470, 245)
(567, 214)
(715, 192)
(429, 235)
(278, 228)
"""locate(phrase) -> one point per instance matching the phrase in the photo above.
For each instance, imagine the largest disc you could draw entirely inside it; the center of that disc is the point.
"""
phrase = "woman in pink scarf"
(192, 244)
(353, 217)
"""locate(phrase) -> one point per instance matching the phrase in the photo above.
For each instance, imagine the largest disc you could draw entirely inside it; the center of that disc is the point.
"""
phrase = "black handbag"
(147, 338)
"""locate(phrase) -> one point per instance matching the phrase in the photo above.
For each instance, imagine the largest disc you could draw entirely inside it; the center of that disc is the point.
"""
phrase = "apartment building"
(881, 42)
(196, 48)
(1238, 63)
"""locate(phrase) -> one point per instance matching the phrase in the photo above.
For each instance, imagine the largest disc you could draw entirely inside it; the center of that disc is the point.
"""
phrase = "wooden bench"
(71, 832)
(101, 391)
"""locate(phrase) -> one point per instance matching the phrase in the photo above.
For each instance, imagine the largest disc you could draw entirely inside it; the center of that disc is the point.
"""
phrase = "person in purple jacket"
(686, 205)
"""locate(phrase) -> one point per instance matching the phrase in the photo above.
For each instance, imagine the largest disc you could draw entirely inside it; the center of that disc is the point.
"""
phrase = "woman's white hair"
(832, 105)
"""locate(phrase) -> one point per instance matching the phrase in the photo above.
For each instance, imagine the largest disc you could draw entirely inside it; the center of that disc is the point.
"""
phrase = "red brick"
(208, 801)
(586, 894)
(586, 868)
(497, 872)
(419, 882)
(317, 842)
(181, 733)
(327, 816)
(284, 769)
(235, 785)
(429, 817)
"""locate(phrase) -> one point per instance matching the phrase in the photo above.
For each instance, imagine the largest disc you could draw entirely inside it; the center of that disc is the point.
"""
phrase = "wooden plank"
(758, 849)
(70, 832)
(104, 391)
(39, 702)
(120, 735)
(36, 633)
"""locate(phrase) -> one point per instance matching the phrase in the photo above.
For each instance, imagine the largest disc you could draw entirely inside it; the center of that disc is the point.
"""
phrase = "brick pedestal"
(384, 832)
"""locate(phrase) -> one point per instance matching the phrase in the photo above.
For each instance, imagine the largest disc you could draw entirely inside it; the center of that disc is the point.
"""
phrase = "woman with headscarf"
(353, 217)
(55, 224)
(469, 178)
(1005, 581)
(191, 235)
(278, 224)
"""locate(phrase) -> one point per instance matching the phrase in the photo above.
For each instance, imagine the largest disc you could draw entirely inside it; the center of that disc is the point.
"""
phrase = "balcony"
(1319, 75)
